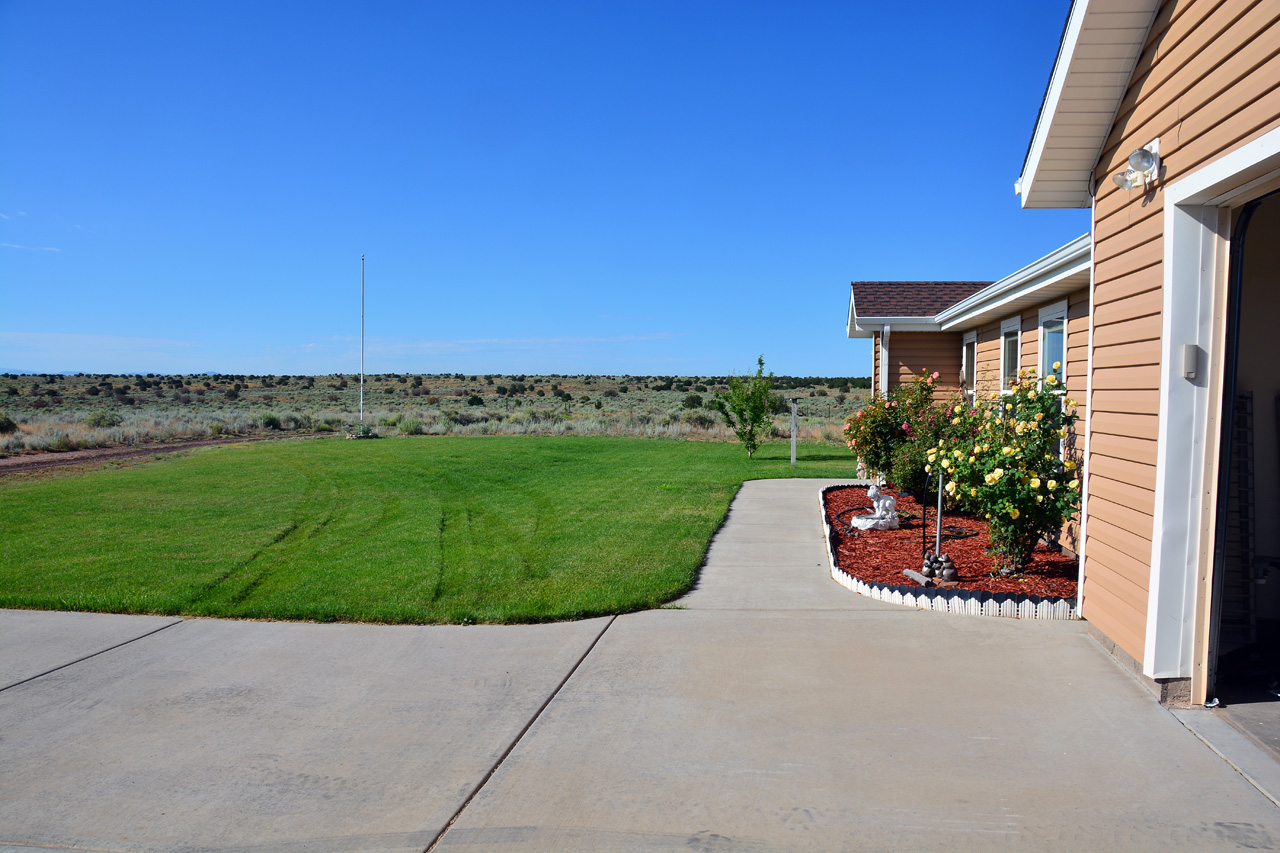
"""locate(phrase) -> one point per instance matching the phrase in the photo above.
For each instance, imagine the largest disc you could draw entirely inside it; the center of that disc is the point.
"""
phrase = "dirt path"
(28, 463)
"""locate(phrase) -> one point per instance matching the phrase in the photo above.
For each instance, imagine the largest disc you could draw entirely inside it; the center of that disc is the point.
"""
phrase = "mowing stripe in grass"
(427, 530)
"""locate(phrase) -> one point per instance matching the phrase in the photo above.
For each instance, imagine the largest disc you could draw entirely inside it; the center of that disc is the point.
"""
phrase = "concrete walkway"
(775, 711)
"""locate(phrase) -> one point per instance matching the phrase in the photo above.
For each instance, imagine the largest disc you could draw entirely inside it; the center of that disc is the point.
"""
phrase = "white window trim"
(969, 338)
(1012, 324)
(1056, 311)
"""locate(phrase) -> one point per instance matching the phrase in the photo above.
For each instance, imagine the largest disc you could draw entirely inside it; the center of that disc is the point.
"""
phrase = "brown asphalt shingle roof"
(909, 298)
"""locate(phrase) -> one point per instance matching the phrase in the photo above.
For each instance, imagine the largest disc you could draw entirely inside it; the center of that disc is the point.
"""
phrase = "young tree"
(746, 405)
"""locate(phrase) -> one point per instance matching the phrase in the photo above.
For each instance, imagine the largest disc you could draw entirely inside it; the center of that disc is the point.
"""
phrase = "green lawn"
(422, 530)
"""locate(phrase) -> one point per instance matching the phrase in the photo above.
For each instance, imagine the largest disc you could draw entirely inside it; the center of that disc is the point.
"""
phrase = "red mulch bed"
(879, 556)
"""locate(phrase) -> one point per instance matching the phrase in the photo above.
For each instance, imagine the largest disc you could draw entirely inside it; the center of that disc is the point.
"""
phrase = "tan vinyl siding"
(875, 362)
(987, 374)
(1208, 81)
(913, 353)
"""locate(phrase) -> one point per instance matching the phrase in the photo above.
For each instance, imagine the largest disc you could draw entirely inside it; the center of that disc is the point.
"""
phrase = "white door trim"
(1192, 255)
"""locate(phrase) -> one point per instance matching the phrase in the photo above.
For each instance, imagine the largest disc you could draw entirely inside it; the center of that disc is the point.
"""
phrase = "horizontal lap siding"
(875, 363)
(1207, 82)
(986, 378)
(912, 354)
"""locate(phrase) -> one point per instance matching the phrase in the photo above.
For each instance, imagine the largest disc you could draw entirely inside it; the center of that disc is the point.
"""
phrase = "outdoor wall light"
(1144, 165)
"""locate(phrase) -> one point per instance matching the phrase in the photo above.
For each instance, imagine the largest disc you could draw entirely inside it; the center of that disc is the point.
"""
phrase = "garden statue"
(884, 515)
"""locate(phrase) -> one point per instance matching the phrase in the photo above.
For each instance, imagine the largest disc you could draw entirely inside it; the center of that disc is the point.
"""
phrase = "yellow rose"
(1007, 450)
(1069, 465)
(1039, 499)
(1075, 484)
(1062, 433)
(1013, 513)
(1035, 483)
(973, 493)
(1071, 404)
(945, 463)
(951, 487)
(1039, 416)
(1057, 365)
(928, 469)
(1052, 484)
(971, 459)
(955, 421)
(1051, 380)
(1031, 395)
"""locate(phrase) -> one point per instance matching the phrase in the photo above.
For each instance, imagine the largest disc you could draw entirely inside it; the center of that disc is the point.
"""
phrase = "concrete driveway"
(775, 711)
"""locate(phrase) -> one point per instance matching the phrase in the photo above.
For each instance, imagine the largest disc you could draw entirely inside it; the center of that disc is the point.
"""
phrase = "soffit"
(1100, 47)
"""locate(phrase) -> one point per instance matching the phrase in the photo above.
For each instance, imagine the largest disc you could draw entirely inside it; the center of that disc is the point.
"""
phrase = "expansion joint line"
(516, 741)
(93, 655)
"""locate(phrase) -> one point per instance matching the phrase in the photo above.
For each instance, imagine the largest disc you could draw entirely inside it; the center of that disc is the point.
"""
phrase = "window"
(969, 364)
(1010, 352)
(1053, 342)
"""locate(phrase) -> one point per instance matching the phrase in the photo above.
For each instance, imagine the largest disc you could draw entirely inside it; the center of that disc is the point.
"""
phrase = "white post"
(793, 433)
(362, 342)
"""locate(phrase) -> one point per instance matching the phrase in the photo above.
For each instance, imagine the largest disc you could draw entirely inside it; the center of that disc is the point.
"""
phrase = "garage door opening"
(1245, 630)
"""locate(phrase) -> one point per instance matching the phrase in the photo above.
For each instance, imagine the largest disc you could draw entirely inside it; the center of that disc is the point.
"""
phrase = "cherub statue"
(884, 515)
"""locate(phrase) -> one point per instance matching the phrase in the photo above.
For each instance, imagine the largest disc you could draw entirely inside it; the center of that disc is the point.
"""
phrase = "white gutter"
(1072, 259)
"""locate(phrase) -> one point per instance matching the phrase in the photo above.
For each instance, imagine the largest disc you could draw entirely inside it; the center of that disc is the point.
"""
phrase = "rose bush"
(892, 436)
(1002, 460)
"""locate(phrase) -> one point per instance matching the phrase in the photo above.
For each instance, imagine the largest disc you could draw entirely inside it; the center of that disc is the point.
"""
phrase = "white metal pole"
(793, 433)
(362, 342)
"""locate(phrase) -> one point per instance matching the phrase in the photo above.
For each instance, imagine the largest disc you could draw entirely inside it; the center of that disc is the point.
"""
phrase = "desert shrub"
(323, 428)
(93, 390)
(1005, 463)
(269, 421)
(232, 394)
(475, 400)
(698, 418)
(7, 425)
(102, 419)
(692, 401)
(411, 426)
(389, 421)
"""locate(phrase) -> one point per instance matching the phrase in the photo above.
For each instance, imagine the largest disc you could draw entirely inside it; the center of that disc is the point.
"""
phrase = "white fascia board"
(1119, 19)
(900, 324)
(1072, 259)
(1052, 97)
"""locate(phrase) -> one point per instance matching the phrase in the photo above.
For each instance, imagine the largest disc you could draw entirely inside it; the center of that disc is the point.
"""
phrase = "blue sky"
(538, 187)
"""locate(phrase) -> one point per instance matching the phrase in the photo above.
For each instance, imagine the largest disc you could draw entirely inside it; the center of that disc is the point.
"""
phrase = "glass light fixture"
(1142, 160)
(1144, 165)
(1125, 180)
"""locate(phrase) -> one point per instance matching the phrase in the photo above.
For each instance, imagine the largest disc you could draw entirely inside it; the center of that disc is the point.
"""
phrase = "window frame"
(1012, 325)
(1056, 311)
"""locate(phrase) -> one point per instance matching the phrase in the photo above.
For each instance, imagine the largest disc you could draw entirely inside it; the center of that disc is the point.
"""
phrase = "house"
(1163, 118)
(898, 316)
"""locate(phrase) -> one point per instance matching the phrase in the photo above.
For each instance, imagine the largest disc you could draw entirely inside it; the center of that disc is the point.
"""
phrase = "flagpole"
(362, 342)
